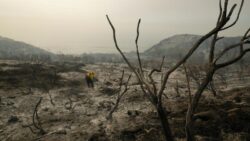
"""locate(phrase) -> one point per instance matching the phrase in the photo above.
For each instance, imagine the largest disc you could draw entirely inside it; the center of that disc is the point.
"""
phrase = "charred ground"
(71, 111)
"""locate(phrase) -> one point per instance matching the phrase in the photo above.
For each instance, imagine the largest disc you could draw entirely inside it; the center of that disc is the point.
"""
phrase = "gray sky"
(78, 26)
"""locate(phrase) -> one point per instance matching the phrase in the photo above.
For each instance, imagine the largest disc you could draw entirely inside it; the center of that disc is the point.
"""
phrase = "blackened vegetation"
(32, 75)
(40, 76)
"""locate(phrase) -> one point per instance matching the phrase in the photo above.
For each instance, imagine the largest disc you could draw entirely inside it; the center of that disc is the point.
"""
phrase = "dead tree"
(154, 94)
(147, 83)
(214, 62)
(120, 95)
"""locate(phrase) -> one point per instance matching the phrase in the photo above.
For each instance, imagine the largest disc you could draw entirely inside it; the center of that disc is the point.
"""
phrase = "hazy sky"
(77, 26)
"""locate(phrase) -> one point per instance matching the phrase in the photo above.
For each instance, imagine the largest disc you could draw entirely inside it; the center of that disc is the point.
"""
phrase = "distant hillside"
(10, 49)
(178, 45)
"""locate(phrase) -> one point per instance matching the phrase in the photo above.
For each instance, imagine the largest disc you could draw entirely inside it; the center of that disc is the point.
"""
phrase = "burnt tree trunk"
(189, 135)
(164, 122)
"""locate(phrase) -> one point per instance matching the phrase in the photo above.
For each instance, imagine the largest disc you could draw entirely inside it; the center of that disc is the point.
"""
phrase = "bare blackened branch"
(151, 73)
(51, 99)
(158, 70)
(220, 14)
(212, 48)
(246, 36)
(141, 81)
(219, 38)
(231, 12)
(225, 10)
(137, 47)
(238, 15)
(117, 47)
(211, 53)
(244, 40)
(224, 51)
(35, 111)
(218, 66)
(126, 86)
(188, 84)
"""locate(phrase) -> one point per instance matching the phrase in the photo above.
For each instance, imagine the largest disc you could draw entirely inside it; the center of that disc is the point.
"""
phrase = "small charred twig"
(51, 99)
(137, 48)
(49, 134)
(237, 17)
(70, 105)
(36, 123)
(157, 70)
(36, 118)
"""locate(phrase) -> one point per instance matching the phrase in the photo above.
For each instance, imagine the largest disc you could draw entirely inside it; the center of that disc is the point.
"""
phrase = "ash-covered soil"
(70, 111)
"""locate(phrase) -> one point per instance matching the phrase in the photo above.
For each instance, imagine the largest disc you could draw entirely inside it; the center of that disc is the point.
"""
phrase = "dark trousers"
(90, 82)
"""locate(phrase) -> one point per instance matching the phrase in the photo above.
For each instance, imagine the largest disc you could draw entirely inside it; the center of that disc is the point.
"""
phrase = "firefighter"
(90, 79)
